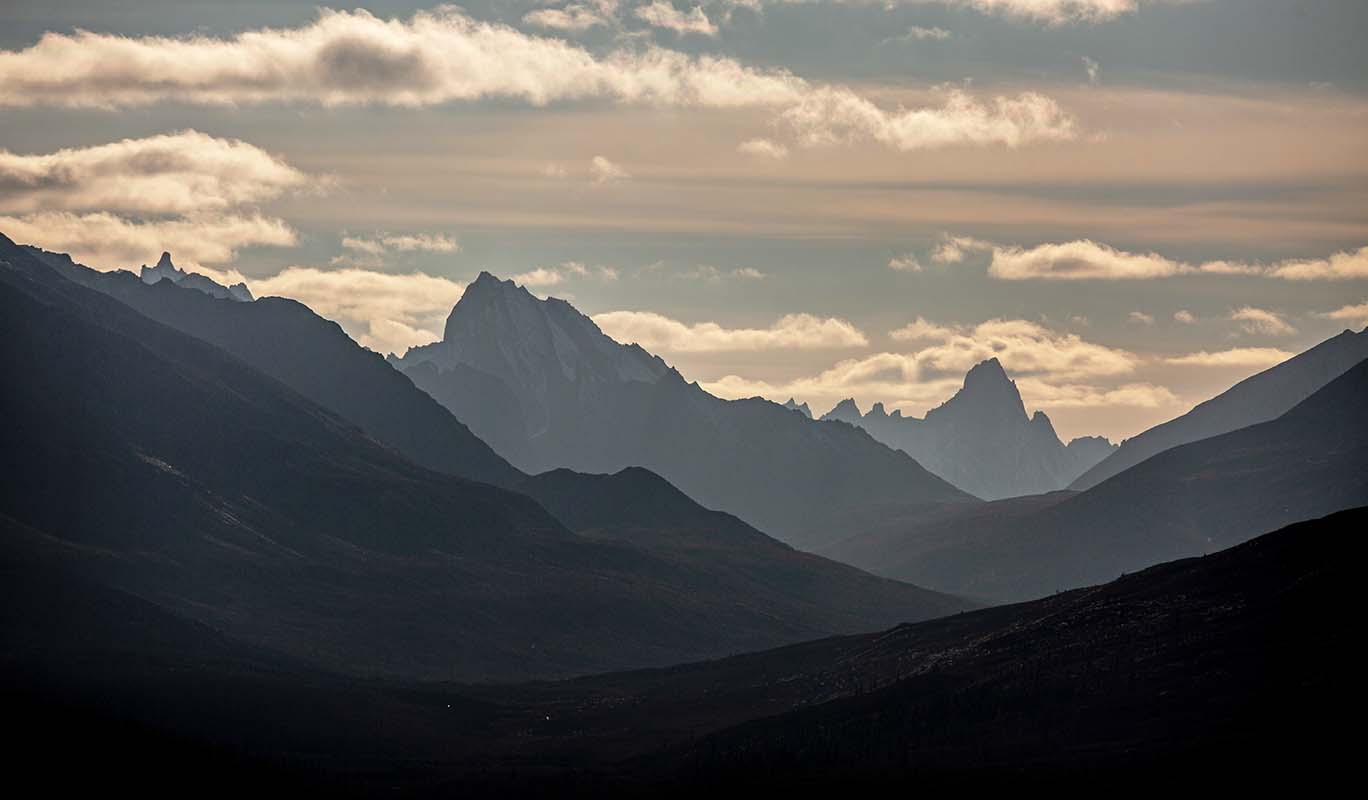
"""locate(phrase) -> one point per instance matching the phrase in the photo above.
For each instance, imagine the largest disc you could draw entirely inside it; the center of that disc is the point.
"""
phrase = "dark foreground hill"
(1189, 500)
(153, 463)
(1216, 672)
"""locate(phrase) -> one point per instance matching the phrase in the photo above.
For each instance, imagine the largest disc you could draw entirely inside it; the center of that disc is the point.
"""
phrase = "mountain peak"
(165, 261)
(845, 410)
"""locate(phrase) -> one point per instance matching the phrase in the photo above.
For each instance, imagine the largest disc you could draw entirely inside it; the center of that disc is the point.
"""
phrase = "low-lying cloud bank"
(444, 56)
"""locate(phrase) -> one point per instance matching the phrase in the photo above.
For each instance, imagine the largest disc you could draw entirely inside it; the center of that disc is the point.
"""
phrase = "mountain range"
(547, 389)
(1192, 499)
(151, 462)
(982, 440)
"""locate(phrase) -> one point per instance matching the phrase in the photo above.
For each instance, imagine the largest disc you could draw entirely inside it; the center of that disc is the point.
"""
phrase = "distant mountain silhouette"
(1256, 399)
(1189, 500)
(153, 463)
(1178, 675)
(593, 405)
(313, 356)
(802, 408)
(981, 439)
(164, 270)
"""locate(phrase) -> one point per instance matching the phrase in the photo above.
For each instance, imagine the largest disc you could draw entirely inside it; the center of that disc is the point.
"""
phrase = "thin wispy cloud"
(1262, 321)
(790, 332)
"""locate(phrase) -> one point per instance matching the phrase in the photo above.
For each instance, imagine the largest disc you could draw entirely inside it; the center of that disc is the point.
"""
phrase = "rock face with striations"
(982, 440)
(586, 402)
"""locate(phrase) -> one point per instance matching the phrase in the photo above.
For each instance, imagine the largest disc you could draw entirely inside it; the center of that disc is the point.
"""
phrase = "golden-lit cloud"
(174, 173)
(662, 14)
(106, 241)
(1242, 357)
(385, 312)
(790, 332)
(1261, 321)
(444, 56)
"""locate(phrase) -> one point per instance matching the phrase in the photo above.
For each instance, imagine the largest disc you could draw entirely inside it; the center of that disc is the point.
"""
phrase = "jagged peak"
(877, 410)
(846, 406)
(165, 261)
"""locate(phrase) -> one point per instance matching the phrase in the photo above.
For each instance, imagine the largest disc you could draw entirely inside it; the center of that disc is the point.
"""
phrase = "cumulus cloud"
(605, 171)
(919, 330)
(662, 14)
(764, 148)
(1184, 316)
(791, 332)
(1261, 321)
(174, 173)
(387, 313)
(1242, 357)
(1353, 314)
(444, 56)
(382, 242)
(106, 241)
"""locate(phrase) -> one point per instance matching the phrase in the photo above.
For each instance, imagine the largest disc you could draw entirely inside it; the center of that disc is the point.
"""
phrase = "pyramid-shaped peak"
(165, 261)
(986, 371)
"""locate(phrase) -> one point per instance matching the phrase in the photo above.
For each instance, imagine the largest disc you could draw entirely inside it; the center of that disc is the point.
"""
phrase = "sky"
(1133, 204)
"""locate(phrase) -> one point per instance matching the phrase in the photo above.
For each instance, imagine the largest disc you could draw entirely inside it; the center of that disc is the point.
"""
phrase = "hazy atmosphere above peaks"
(1130, 203)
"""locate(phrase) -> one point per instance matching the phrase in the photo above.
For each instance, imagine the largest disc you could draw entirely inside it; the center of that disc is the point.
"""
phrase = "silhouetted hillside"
(1196, 669)
(1256, 399)
(313, 356)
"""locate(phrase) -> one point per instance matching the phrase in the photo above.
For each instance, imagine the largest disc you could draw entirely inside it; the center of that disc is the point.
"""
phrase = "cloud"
(421, 242)
(922, 34)
(763, 148)
(387, 313)
(662, 14)
(1072, 395)
(834, 115)
(710, 274)
(1085, 259)
(106, 241)
(554, 276)
(173, 173)
(1344, 265)
(791, 332)
(576, 18)
(1261, 321)
(1093, 69)
(1358, 314)
(1184, 316)
(1140, 318)
(1242, 357)
(919, 330)
(1053, 12)
(605, 171)
(443, 56)
(905, 263)
(954, 249)
(1078, 260)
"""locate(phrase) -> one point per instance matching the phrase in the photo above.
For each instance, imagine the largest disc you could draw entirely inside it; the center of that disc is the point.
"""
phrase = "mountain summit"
(165, 270)
(546, 388)
(981, 439)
